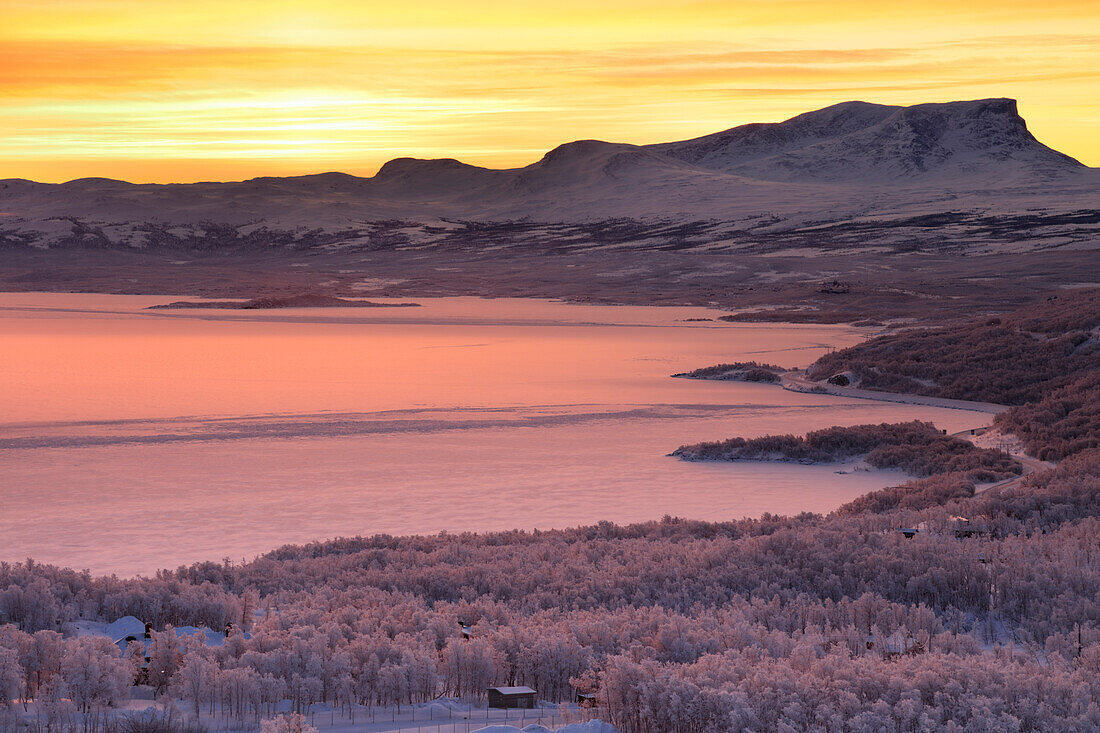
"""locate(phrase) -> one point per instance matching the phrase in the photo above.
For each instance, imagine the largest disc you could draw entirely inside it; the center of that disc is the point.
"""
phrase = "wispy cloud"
(348, 85)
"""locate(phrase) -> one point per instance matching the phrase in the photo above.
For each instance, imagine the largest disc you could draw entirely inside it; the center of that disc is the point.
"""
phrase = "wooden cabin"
(511, 697)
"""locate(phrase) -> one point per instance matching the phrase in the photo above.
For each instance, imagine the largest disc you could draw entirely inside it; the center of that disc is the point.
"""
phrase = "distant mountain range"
(851, 163)
(857, 142)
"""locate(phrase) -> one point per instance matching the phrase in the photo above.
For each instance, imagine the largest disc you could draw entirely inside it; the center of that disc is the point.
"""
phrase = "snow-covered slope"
(758, 141)
(856, 142)
(852, 162)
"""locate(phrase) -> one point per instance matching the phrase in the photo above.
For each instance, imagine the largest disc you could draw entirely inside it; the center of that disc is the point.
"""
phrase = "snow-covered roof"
(514, 690)
(209, 636)
(128, 626)
(125, 626)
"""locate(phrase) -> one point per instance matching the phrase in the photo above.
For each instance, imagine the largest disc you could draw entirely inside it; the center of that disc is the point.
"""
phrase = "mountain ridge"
(917, 140)
(852, 161)
(800, 132)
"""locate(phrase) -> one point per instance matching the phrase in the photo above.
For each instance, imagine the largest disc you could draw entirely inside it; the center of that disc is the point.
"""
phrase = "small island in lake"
(289, 301)
(738, 371)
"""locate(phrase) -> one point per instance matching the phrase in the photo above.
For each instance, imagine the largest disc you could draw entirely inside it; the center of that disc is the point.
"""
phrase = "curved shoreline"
(793, 381)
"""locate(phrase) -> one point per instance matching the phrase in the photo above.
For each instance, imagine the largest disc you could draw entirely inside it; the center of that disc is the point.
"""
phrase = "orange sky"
(153, 90)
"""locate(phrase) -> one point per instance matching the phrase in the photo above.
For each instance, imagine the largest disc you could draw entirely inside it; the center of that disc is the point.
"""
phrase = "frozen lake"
(133, 440)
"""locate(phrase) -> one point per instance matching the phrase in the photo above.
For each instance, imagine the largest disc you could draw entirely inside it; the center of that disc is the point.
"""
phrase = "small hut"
(511, 697)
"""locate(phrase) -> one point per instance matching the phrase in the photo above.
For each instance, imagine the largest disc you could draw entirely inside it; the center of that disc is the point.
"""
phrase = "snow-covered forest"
(985, 616)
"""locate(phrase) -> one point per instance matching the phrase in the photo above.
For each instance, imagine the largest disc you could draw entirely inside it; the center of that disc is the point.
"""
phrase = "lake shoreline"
(469, 415)
(794, 380)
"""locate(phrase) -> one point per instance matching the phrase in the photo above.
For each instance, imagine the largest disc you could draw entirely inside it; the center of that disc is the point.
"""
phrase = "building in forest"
(511, 697)
(129, 630)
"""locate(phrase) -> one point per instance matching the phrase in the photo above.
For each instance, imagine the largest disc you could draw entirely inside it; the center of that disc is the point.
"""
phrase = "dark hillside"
(1013, 359)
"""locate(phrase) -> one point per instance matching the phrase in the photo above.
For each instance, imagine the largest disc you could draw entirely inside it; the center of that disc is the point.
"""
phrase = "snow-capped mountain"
(860, 142)
(853, 161)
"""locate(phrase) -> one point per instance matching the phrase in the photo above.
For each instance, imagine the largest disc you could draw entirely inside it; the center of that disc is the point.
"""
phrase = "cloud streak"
(98, 88)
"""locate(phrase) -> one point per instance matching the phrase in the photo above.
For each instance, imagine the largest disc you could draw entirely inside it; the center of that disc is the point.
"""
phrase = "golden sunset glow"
(153, 90)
